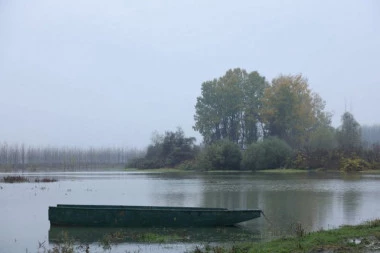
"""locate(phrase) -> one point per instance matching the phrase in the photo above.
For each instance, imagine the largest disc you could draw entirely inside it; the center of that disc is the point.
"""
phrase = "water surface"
(316, 200)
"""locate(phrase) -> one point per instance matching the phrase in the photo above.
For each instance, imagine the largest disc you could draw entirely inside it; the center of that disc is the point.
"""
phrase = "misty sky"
(109, 73)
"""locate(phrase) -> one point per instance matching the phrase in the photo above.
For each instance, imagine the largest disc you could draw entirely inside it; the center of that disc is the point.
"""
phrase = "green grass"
(160, 170)
(284, 171)
(171, 170)
(370, 171)
(367, 238)
(226, 171)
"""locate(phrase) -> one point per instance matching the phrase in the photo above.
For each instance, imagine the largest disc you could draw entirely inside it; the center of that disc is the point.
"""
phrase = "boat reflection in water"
(88, 235)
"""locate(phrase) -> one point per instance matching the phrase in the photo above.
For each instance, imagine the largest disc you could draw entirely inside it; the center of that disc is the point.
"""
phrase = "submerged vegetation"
(22, 179)
(45, 180)
(15, 179)
(67, 244)
(359, 238)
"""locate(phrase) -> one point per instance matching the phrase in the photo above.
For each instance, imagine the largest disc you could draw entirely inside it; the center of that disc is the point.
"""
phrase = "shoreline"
(347, 238)
(176, 170)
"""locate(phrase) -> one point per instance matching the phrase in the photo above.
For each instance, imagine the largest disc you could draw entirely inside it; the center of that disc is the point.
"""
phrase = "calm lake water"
(316, 200)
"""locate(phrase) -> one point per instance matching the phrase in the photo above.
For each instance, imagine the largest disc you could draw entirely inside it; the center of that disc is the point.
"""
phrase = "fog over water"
(96, 73)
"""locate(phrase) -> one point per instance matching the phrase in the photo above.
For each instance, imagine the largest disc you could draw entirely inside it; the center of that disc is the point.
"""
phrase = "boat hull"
(142, 216)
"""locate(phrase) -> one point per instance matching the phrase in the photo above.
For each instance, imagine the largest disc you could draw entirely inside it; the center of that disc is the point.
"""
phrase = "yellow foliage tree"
(291, 111)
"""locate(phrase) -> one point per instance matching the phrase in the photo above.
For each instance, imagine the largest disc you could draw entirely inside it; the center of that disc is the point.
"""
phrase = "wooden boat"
(146, 216)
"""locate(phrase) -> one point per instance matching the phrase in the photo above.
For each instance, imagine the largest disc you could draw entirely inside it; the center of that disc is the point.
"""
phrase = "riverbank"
(360, 238)
(274, 171)
(176, 170)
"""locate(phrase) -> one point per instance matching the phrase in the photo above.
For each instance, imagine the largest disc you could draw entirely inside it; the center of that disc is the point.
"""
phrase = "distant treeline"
(370, 135)
(19, 157)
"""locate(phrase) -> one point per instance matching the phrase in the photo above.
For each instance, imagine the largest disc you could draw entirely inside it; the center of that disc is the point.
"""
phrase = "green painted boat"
(146, 216)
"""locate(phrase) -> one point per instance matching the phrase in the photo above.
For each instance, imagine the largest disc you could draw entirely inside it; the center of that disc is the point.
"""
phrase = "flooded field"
(315, 200)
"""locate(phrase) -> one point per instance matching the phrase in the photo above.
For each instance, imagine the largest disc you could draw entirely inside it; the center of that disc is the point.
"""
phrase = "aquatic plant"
(45, 180)
(15, 179)
(66, 246)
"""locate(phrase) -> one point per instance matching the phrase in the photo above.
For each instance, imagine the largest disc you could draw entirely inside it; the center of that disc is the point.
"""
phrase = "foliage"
(300, 160)
(349, 133)
(229, 107)
(168, 150)
(322, 138)
(187, 165)
(221, 155)
(271, 153)
(291, 111)
(354, 164)
(314, 159)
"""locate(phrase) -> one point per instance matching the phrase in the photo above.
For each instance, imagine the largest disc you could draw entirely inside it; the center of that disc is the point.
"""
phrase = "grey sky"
(109, 73)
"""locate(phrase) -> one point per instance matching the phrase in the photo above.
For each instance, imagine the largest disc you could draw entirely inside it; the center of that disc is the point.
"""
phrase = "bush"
(222, 155)
(271, 153)
(168, 150)
(187, 165)
(353, 164)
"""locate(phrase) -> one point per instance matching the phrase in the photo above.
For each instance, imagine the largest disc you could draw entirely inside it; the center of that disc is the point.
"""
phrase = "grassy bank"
(360, 238)
(176, 170)
(267, 171)
(160, 170)
(284, 171)
(370, 171)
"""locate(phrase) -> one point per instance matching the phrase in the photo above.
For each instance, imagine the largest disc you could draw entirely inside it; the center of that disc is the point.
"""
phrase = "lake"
(315, 200)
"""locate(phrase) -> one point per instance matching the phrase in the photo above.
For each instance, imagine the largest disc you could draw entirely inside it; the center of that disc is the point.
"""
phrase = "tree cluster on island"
(248, 123)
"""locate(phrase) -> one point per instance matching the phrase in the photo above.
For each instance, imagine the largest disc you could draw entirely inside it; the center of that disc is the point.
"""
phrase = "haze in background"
(109, 73)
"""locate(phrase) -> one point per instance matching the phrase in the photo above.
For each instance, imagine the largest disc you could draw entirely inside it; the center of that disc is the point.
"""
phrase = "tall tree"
(291, 111)
(229, 107)
(253, 92)
(349, 133)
